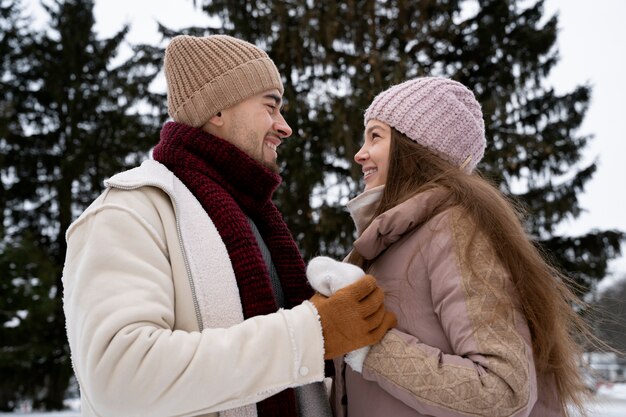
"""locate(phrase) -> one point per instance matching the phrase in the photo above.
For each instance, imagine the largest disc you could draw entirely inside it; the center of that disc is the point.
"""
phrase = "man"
(184, 292)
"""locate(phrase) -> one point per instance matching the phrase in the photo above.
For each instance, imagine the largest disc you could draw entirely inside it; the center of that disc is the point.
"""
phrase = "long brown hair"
(544, 292)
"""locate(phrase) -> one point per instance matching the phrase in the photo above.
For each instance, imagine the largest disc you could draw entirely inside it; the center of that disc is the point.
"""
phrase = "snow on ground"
(610, 401)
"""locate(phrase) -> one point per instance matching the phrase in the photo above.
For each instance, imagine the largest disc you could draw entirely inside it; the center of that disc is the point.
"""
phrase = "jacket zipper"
(180, 241)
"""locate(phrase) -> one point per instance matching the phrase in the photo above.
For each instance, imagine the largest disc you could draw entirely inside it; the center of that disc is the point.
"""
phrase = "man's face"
(257, 127)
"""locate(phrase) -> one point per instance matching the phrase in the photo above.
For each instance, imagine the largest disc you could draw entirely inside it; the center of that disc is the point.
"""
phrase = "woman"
(484, 323)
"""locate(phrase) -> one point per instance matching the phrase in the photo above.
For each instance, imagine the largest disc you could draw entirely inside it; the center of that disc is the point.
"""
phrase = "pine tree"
(13, 38)
(335, 56)
(71, 116)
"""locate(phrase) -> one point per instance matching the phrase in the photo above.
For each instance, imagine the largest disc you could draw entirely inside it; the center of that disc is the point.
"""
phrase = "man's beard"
(272, 166)
(250, 143)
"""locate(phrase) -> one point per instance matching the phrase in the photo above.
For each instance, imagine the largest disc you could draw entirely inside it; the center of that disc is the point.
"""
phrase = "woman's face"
(374, 154)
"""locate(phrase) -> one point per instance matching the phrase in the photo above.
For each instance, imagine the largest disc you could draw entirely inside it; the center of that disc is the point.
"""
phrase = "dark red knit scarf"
(230, 185)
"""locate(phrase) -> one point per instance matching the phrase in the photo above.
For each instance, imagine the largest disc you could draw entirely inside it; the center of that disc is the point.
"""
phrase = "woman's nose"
(360, 156)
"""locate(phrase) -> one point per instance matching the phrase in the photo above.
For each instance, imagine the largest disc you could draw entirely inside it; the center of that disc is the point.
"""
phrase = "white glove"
(326, 276)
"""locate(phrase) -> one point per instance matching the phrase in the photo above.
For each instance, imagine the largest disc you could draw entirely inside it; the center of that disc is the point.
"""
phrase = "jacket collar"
(390, 226)
(149, 173)
(363, 206)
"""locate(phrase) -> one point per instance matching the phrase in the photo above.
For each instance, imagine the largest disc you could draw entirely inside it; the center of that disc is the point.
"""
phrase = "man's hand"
(353, 317)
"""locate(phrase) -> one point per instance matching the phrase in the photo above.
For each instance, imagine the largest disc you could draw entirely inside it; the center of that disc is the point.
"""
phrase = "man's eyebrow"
(274, 97)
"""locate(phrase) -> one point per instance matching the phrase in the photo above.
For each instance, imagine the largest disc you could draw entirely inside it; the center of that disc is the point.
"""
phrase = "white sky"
(591, 43)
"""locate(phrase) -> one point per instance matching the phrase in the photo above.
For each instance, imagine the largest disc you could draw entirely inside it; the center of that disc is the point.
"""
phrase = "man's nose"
(281, 126)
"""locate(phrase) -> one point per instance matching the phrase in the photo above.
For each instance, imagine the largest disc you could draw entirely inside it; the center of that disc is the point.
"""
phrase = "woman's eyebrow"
(372, 128)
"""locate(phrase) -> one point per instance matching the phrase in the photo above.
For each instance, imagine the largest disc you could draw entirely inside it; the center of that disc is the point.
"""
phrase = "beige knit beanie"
(206, 75)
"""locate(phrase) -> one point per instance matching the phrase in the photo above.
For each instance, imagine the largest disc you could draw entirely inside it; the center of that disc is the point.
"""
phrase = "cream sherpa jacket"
(154, 319)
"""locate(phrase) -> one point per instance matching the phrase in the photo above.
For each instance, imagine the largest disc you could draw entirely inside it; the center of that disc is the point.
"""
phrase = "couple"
(185, 294)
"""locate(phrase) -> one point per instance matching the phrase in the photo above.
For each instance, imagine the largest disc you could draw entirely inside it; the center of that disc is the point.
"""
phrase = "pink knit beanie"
(438, 113)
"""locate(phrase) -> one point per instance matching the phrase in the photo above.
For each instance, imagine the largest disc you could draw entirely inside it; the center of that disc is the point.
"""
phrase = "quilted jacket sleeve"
(490, 370)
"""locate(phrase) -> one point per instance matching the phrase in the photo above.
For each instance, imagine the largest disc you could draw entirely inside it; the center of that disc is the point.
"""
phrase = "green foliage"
(70, 118)
(33, 343)
(336, 56)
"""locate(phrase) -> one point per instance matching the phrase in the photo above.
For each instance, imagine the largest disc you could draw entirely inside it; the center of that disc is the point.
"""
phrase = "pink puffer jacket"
(462, 345)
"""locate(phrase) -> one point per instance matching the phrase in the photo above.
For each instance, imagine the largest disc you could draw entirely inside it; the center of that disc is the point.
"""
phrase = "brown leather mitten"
(353, 317)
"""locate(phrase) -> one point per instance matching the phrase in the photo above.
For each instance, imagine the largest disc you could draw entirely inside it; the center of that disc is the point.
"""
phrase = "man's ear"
(217, 120)
(214, 125)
